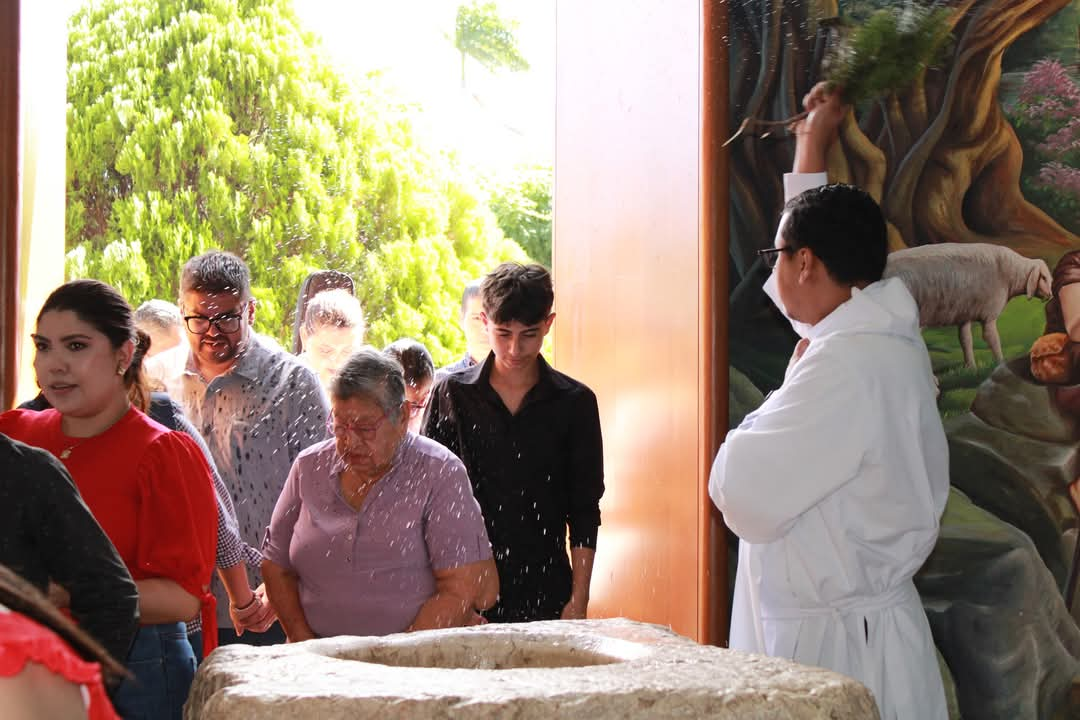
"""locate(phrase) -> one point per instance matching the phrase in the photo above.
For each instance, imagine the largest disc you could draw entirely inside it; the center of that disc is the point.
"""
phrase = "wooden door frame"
(9, 199)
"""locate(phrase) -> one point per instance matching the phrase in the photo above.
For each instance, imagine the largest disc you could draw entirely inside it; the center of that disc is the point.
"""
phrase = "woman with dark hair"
(48, 666)
(248, 609)
(148, 487)
(419, 371)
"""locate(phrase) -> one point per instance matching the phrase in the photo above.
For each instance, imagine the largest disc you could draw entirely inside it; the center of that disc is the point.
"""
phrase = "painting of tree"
(942, 158)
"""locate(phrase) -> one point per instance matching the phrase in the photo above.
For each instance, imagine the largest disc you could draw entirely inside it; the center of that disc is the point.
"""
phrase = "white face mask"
(801, 329)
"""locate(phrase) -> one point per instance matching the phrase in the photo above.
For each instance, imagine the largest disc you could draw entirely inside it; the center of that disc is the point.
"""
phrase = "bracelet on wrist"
(245, 606)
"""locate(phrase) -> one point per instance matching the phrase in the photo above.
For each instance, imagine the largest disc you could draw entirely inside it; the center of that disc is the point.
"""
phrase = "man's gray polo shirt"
(256, 419)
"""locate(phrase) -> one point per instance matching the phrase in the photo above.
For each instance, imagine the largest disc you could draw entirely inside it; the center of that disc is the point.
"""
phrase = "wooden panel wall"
(9, 198)
(635, 279)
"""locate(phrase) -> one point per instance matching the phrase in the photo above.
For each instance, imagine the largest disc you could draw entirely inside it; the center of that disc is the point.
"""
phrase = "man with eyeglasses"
(837, 483)
(256, 405)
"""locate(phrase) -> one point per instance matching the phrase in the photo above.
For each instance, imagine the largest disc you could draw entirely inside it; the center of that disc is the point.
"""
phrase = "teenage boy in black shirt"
(530, 439)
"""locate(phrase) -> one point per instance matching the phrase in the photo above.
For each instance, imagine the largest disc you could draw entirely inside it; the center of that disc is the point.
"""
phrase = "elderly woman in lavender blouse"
(376, 530)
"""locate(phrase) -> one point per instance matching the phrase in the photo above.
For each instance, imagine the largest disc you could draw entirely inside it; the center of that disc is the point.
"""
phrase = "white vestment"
(836, 486)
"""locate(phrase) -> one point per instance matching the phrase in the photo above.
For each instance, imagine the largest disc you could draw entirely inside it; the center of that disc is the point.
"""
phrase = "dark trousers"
(274, 636)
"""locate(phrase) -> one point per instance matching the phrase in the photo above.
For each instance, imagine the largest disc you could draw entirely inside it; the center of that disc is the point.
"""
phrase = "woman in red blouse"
(148, 487)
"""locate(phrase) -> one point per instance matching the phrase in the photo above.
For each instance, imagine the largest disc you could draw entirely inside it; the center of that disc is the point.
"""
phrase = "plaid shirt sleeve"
(230, 548)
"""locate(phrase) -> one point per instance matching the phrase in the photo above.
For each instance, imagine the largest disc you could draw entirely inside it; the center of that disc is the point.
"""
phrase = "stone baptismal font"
(594, 669)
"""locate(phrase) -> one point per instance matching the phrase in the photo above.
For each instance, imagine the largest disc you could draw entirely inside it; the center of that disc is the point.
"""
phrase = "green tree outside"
(200, 124)
(480, 33)
(522, 206)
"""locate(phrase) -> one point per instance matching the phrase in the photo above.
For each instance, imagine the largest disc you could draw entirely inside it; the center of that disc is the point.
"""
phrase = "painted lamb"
(960, 283)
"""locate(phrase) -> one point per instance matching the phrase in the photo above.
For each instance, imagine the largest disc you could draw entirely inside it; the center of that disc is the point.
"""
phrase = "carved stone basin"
(595, 669)
(493, 652)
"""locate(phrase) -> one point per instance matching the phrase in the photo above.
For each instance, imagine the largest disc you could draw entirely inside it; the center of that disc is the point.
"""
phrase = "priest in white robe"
(837, 483)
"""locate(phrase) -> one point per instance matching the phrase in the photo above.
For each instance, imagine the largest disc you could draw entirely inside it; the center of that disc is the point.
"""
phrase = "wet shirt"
(49, 533)
(256, 419)
(535, 474)
(368, 572)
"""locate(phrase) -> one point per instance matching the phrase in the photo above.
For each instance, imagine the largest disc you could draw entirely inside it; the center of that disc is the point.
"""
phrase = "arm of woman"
(279, 577)
(284, 595)
(164, 601)
(177, 533)
(459, 592)
(465, 576)
(248, 609)
(37, 692)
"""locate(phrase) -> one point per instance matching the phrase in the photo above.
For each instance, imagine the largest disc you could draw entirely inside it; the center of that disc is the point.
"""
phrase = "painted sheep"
(961, 283)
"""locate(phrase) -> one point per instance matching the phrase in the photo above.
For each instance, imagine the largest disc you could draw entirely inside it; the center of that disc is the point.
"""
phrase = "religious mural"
(977, 169)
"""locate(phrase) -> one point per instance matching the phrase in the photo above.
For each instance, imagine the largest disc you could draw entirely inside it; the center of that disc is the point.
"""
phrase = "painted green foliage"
(199, 124)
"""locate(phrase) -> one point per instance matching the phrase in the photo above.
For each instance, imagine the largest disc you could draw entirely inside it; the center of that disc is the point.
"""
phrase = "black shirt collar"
(548, 378)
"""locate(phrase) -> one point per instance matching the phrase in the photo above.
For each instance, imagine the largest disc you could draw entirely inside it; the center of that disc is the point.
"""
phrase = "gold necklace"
(66, 452)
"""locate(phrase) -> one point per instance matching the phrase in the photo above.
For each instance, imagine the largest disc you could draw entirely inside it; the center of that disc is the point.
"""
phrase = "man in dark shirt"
(48, 533)
(529, 437)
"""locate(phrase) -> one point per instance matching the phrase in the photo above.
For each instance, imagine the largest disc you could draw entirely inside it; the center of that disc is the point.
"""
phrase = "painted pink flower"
(1048, 94)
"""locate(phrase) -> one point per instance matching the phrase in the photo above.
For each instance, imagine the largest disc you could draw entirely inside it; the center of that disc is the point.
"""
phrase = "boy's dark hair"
(471, 290)
(216, 272)
(415, 360)
(843, 227)
(518, 292)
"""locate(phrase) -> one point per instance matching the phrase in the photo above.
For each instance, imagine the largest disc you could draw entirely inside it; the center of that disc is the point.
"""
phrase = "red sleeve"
(177, 523)
(22, 640)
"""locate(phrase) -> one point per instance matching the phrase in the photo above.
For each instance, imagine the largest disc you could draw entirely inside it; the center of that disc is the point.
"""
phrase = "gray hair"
(160, 314)
(216, 272)
(374, 375)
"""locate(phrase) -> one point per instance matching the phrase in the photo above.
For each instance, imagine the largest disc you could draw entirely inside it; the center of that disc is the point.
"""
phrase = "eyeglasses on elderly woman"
(365, 431)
